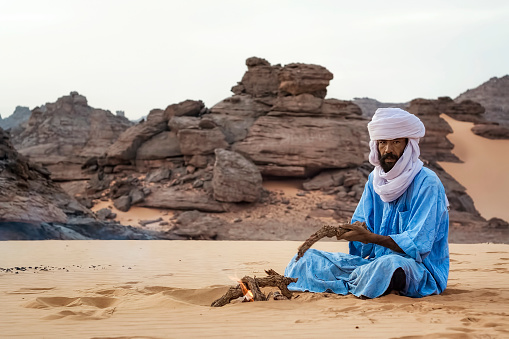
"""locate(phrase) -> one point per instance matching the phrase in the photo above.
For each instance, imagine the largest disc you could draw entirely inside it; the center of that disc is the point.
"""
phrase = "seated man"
(405, 208)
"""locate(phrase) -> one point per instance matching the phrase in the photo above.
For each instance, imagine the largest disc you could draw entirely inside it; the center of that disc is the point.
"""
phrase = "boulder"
(202, 142)
(298, 78)
(123, 203)
(312, 144)
(190, 108)
(160, 146)
(261, 79)
(126, 146)
(235, 178)
(172, 198)
(177, 123)
(491, 131)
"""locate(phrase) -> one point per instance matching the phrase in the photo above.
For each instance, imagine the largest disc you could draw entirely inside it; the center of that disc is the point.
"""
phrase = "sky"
(139, 55)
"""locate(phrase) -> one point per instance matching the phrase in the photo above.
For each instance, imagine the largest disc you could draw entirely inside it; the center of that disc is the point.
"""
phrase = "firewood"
(273, 279)
(326, 231)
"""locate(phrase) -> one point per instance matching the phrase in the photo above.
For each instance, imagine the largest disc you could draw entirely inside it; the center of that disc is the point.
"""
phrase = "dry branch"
(273, 279)
(326, 231)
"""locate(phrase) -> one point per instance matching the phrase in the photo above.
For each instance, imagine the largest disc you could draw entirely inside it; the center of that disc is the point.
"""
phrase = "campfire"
(249, 289)
(248, 295)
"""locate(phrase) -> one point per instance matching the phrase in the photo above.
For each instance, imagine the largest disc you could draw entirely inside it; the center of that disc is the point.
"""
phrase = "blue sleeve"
(364, 213)
(419, 224)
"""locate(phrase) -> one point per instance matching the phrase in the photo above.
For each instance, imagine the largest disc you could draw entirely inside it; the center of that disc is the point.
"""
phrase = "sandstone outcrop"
(369, 106)
(435, 146)
(493, 96)
(28, 194)
(302, 146)
(491, 131)
(277, 124)
(62, 135)
(277, 119)
(19, 116)
(33, 207)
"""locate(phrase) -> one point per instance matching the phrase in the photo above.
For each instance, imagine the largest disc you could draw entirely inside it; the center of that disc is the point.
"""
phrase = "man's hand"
(356, 233)
(359, 233)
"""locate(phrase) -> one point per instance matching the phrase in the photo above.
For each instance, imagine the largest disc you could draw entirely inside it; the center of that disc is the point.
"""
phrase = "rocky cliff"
(33, 207)
(19, 116)
(493, 95)
(62, 135)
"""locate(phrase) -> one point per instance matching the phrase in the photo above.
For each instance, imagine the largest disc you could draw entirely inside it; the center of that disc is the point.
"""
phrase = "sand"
(163, 289)
(484, 171)
(137, 214)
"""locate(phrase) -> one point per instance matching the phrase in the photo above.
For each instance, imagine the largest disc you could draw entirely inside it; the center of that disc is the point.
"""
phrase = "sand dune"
(484, 171)
(163, 289)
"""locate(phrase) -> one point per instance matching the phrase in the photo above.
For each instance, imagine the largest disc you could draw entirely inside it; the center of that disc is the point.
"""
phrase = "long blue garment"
(418, 221)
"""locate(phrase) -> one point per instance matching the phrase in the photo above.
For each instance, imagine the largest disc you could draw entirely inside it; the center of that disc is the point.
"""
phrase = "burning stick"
(326, 231)
(273, 279)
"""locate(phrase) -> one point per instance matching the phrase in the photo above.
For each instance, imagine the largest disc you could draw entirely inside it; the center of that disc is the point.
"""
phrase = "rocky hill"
(62, 135)
(494, 96)
(20, 115)
(211, 163)
(33, 207)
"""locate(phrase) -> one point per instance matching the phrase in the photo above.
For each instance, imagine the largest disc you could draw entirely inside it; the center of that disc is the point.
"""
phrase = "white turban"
(394, 123)
(389, 124)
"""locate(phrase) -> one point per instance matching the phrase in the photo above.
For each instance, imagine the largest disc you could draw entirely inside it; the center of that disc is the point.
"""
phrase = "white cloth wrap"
(389, 124)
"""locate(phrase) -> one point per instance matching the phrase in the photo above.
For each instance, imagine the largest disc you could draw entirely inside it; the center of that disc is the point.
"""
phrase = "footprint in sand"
(82, 307)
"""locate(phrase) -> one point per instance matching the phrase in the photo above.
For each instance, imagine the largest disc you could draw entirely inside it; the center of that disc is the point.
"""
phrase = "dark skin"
(389, 153)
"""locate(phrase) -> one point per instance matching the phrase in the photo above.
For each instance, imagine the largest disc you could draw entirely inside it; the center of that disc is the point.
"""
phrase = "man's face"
(390, 151)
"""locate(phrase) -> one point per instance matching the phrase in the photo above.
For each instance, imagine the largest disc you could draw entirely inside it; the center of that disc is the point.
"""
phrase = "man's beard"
(388, 166)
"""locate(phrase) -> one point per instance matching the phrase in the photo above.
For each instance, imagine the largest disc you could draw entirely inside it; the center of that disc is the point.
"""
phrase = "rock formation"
(64, 134)
(33, 207)
(493, 95)
(277, 124)
(368, 106)
(435, 146)
(20, 115)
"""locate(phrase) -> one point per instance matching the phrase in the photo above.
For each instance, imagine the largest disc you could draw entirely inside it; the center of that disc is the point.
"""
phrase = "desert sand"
(484, 171)
(163, 289)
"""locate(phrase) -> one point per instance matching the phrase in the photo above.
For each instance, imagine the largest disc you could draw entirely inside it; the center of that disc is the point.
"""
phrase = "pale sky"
(139, 55)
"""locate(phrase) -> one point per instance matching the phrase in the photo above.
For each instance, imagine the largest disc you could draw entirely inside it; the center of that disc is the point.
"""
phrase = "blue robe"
(418, 221)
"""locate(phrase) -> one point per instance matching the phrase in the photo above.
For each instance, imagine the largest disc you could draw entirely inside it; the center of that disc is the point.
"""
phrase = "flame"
(248, 295)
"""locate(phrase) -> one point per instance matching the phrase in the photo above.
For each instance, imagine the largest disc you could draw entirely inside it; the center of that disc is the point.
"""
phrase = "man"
(404, 206)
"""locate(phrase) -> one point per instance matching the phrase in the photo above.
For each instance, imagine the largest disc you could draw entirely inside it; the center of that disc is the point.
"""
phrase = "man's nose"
(388, 148)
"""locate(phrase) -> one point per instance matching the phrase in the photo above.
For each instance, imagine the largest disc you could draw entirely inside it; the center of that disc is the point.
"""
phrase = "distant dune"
(484, 171)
